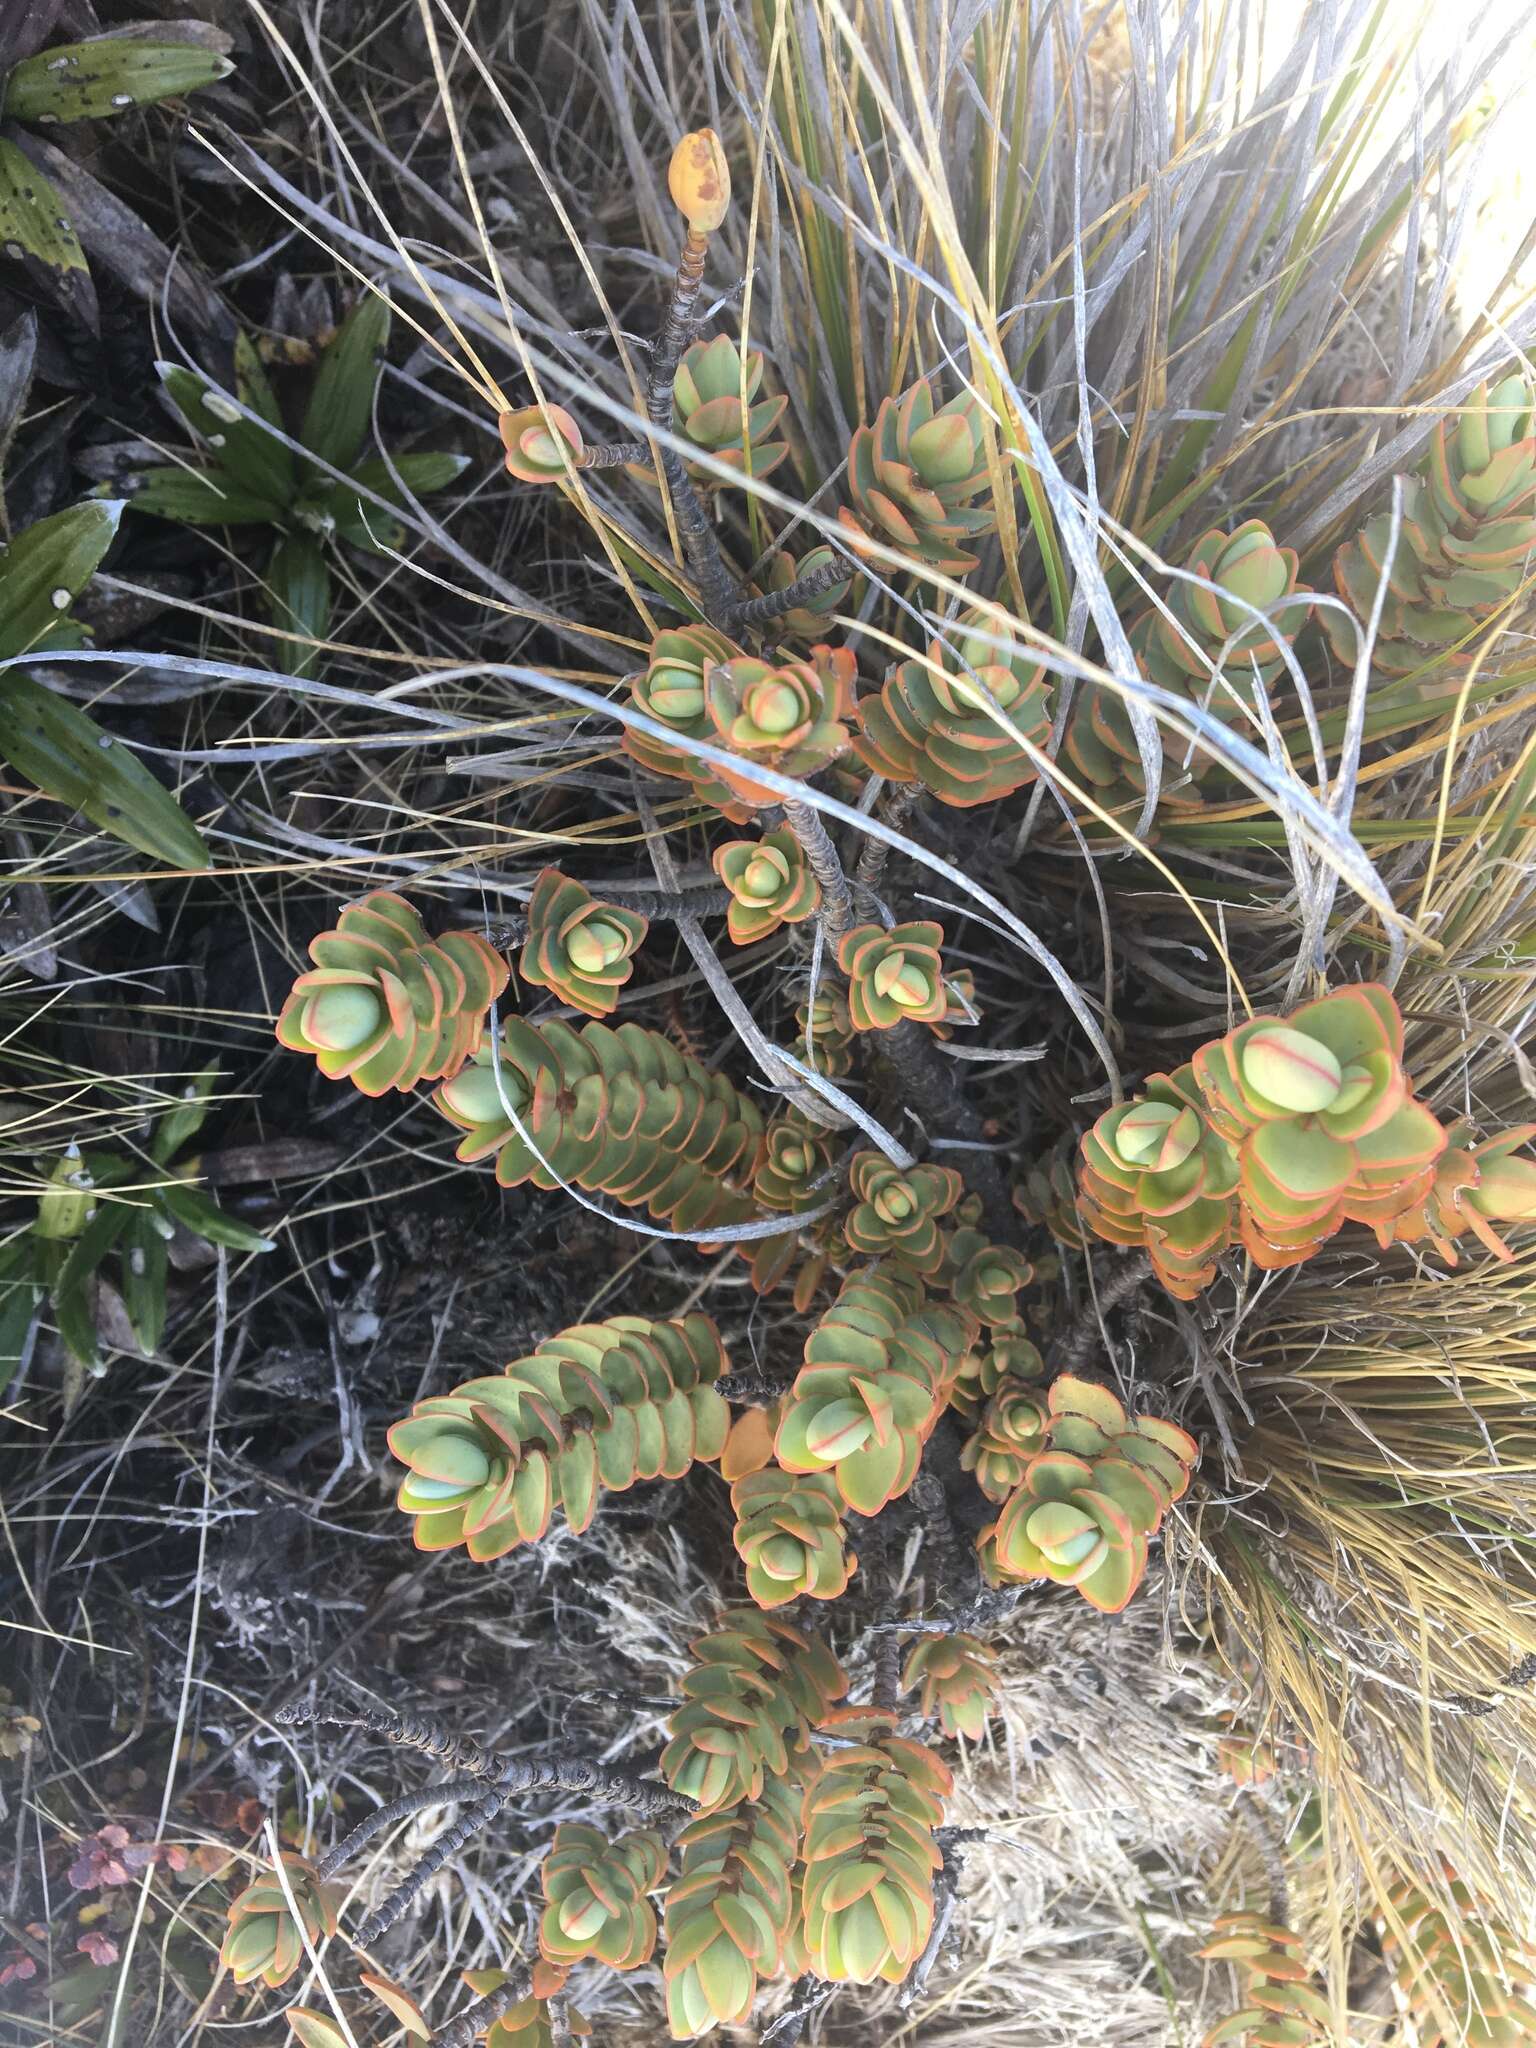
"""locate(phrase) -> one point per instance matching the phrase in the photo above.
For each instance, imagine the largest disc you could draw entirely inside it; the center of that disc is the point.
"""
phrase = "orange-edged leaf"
(400, 2003)
(313, 2029)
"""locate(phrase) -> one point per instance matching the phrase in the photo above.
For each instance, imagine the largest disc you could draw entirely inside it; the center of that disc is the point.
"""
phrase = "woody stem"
(717, 588)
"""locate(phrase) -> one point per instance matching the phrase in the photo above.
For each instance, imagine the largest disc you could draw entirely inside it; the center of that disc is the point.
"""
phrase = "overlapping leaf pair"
(985, 1278)
(596, 1891)
(955, 1677)
(1463, 1973)
(579, 949)
(616, 1111)
(1280, 2007)
(716, 398)
(869, 1851)
(807, 621)
(730, 1910)
(912, 477)
(1091, 1500)
(878, 1369)
(599, 1406)
(770, 882)
(1205, 644)
(1464, 540)
(384, 1006)
(790, 1536)
(755, 1690)
(932, 721)
(265, 1938)
(897, 1209)
(1475, 1186)
(797, 1158)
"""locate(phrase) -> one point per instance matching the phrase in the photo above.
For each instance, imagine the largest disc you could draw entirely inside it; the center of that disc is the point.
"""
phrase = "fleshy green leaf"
(107, 75)
(181, 1124)
(144, 1261)
(44, 570)
(256, 461)
(300, 584)
(72, 1290)
(71, 759)
(202, 497)
(341, 404)
(200, 1214)
(313, 2029)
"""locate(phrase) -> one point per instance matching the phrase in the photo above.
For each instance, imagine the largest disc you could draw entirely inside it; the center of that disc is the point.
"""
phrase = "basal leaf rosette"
(894, 976)
(869, 1852)
(986, 1278)
(897, 1209)
(596, 1891)
(671, 690)
(770, 883)
(1010, 1433)
(1280, 2007)
(754, 1691)
(1325, 1130)
(384, 1006)
(729, 1911)
(597, 1408)
(542, 442)
(1467, 529)
(265, 1940)
(581, 950)
(1077, 1523)
(1475, 1187)
(877, 1371)
(616, 1111)
(807, 621)
(1462, 1971)
(932, 721)
(785, 717)
(716, 398)
(955, 1677)
(1155, 1173)
(912, 477)
(790, 1536)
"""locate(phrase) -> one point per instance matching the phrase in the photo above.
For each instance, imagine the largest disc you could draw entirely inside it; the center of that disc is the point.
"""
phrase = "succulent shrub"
(789, 1534)
(596, 1891)
(581, 950)
(895, 976)
(266, 1936)
(1047, 1196)
(672, 690)
(955, 1676)
(1475, 1186)
(1280, 2007)
(716, 395)
(594, 1409)
(1461, 1971)
(243, 474)
(869, 1852)
(1003, 1354)
(786, 717)
(913, 477)
(756, 1689)
(1467, 531)
(729, 1910)
(897, 1210)
(771, 883)
(384, 1005)
(1156, 1174)
(932, 721)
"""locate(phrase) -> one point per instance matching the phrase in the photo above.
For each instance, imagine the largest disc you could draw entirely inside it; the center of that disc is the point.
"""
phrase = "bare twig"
(806, 2000)
(837, 912)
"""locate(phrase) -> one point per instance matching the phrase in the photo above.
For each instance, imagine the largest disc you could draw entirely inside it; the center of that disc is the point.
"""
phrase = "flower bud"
(699, 179)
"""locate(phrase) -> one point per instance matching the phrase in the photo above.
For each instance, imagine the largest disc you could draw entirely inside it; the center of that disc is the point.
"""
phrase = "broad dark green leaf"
(108, 74)
(201, 1214)
(35, 231)
(300, 584)
(144, 1260)
(340, 408)
(360, 521)
(69, 757)
(44, 570)
(198, 497)
(257, 464)
(180, 1125)
(72, 1307)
